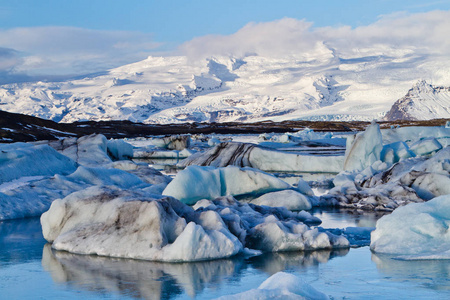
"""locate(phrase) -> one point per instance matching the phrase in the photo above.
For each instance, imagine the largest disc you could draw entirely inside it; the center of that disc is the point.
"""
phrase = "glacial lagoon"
(30, 269)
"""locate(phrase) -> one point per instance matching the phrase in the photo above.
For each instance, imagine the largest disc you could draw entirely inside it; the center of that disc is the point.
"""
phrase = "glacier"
(177, 89)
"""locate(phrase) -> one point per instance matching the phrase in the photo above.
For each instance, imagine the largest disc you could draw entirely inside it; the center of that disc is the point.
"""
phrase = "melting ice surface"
(26, 260)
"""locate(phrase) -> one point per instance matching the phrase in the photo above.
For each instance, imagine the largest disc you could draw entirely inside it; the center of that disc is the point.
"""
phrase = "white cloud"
(70, 50)
(423, 33)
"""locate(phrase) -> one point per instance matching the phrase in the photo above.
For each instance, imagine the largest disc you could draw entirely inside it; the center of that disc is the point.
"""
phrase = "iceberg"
(195, 183)
(415, 231)
(21, 159)
(265, 159)
(281, 285)
(290, 199)
(412, 180)
(413, 134)
(364, 149)
(108, 221)
(89, 150)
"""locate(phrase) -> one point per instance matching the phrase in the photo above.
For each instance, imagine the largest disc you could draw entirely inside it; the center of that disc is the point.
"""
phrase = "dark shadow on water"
(156, 280)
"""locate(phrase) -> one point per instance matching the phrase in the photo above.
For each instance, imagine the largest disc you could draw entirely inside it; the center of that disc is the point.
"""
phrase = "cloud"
(389, 35)
(70, 50)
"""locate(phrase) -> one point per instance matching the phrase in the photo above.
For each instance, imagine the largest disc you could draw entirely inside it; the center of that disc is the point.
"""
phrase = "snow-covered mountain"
(252, 88)
(422, 102)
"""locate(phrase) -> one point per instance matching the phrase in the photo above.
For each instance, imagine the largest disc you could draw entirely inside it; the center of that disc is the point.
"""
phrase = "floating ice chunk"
(364, 150)
(290, 199)
(280, 286)
(250, 155)
(119, 149)
(418, 230)
(103, 176)
(110, 222)
(304, 188)
(195, 183)
(89, 150)
(395, 152)
(20, 159)
(426, 146)
(173, 142)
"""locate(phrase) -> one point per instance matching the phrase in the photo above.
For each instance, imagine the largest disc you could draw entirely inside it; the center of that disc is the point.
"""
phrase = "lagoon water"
(30, 269)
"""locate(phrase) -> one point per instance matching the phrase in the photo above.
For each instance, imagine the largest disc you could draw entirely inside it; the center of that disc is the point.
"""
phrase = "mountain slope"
(422, 102)
(227, 89)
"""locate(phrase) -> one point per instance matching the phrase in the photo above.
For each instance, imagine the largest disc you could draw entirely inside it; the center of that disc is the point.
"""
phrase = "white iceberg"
(290, 199)
(21, 159)
(364, 149)
(195, 183)
(108, 221)
(89, 150)
(415, 231)
(119, 149)
(280, 286)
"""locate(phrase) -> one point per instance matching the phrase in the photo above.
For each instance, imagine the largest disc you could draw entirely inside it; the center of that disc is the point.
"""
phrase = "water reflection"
(430, 274)
(272, 263)
(154, 280)
(135, 278)
(341, 217)
(20, 240)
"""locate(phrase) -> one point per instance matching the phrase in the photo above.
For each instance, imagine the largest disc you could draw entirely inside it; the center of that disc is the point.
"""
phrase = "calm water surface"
(29, 269)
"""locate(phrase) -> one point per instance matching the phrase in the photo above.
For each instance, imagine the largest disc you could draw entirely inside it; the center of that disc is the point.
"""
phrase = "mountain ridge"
(163, 90)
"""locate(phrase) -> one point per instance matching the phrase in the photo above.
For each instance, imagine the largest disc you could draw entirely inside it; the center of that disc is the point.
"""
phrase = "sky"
(67, 37)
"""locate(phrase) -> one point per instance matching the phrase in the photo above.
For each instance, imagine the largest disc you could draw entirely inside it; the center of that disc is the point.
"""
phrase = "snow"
(195, 183)
(177, 89)
(251, 155)
(281, 285)
(20, 159)
(109, 221)
(415, 231)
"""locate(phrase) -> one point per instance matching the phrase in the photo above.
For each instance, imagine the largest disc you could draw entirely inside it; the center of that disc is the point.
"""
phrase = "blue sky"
(79, 36)
(176, 21)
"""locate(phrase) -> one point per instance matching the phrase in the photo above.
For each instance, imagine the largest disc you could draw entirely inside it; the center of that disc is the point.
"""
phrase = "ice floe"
(290, 199)
(195, 183)
(109, 221)
(415, 231)
(21, 159)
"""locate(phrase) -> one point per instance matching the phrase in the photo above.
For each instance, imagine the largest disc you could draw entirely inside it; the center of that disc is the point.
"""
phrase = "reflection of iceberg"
(136, 278)
(429, 274)
(272, 263)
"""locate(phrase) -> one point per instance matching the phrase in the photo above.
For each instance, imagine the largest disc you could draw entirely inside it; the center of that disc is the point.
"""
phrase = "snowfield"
(252, 88)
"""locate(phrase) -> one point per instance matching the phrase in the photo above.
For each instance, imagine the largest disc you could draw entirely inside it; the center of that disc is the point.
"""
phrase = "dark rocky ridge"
(23, 128)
